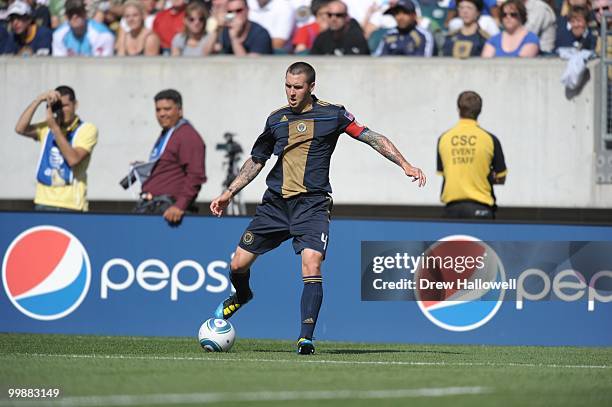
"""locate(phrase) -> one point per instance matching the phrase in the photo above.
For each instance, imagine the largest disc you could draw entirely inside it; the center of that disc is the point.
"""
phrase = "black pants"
(468, 210)
(157, 204)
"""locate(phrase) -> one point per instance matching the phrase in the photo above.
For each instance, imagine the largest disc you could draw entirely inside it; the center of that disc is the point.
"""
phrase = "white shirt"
(487, 23)
(277, 17)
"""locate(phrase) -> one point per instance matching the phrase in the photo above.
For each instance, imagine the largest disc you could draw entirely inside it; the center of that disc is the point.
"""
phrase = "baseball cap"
(404, 5)
(19, 8)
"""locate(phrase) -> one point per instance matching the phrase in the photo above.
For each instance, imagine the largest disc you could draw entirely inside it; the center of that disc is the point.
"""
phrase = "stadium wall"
(135, 275)
(548, 139)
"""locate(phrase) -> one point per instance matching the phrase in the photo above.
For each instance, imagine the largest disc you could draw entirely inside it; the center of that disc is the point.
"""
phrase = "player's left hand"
(173, 214)
(416, 174)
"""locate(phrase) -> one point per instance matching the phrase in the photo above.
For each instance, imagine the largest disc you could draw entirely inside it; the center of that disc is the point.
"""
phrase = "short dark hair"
(478, 3)
(170, 94)
(66, 91)
(469, 104)
(75, 7)
(297, 68)
(520, 8)
(578, 11)
(316, 5)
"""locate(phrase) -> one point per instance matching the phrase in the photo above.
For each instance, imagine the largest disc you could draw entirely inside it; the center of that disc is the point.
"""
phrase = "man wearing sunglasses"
(343, 36)
(238, 35)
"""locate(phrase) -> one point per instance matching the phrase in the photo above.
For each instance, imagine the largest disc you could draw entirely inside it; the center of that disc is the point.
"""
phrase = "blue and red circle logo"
(457, 283)
(46, 273)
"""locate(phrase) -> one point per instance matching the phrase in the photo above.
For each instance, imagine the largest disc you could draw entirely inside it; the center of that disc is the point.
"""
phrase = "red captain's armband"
(354, 129)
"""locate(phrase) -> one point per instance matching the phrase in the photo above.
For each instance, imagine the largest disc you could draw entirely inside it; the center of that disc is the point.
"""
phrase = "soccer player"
(297, 203)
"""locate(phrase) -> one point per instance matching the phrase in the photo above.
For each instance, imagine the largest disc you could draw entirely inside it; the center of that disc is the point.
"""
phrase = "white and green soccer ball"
(216, 335)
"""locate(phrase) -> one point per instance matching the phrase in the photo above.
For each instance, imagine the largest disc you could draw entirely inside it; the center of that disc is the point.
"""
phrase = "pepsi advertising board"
(135, 275)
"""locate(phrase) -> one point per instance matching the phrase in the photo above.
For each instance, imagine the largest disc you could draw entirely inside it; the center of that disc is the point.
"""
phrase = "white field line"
(307, 360)
(205, 398)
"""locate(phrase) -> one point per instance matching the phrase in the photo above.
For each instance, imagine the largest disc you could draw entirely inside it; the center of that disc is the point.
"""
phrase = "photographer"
(177, 162)
(238, 35)
(67, 143)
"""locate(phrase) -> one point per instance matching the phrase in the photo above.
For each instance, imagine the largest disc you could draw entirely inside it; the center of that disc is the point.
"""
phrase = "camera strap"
(162, 141)
(53, 170)
(142, 171)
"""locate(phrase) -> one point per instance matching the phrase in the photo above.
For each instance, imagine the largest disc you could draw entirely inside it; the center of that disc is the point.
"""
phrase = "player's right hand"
(416, 174)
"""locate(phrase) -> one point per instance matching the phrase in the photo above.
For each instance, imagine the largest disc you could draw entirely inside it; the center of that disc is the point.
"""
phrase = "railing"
(603, 142)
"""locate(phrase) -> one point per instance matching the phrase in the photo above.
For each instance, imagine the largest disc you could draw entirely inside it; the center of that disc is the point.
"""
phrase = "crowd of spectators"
(467, 28)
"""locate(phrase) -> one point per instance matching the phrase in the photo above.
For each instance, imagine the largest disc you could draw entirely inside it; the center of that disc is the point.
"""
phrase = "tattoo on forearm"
(383, 145)
(247, 173)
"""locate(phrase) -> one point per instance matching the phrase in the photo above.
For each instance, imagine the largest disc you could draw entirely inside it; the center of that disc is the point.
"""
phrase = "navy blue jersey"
(565, 38)
(38, 42)
(459, 45)
(416, 42)
(304, 143)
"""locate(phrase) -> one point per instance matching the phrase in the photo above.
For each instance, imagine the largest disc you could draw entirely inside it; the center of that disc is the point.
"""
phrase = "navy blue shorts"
(305, 218)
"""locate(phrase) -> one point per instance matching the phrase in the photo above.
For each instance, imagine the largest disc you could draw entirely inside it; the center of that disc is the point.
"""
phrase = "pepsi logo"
(46, 272)
(453, 298)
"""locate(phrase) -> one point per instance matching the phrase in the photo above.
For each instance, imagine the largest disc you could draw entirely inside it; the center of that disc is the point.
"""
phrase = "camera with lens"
(58, 112)
(232, 153)
(127, 180)
(232, 149)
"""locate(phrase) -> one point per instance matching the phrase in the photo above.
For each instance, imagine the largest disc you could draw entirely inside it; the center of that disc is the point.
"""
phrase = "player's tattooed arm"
(387, 149)
(247, 173)
(383, 145)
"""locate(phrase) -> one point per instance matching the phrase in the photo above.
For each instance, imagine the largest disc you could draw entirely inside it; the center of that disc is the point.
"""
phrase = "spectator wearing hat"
(80, 36)
(469, 40)
(407, 38)
(26, 38)
(344, 35)
(515, 40)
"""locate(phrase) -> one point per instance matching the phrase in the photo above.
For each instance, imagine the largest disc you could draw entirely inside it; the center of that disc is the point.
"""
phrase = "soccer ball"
(216, 335)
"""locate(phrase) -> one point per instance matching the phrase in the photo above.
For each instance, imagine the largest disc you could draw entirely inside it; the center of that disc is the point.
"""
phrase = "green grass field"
(135, 371)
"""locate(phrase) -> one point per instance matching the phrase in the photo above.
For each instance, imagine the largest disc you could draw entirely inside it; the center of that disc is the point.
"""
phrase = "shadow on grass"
(371, 351)
(324, 351)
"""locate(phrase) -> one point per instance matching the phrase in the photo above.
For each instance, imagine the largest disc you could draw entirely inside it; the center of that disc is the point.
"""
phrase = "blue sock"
(312, 296)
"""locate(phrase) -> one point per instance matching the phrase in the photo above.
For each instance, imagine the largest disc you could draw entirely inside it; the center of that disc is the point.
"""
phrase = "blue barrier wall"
(169, 300)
